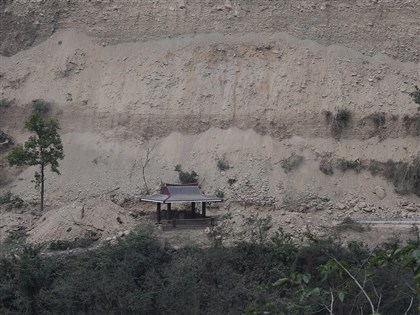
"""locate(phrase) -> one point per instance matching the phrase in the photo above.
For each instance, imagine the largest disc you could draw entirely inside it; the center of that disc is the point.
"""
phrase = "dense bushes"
(142, 276)
(186, 177)
(339, 121)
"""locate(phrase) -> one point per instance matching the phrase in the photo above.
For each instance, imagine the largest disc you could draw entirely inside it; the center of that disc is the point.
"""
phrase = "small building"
(180, 193)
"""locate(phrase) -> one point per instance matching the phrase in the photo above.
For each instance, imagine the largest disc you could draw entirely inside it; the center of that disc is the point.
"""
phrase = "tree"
(43, 149)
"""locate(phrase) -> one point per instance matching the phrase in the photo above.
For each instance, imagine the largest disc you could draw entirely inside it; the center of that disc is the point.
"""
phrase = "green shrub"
(405, 176)
(11, 201)
(17, 236)
(6, 198)
(186, 177)
(40, 106)
(326, 167)
(345, 165)
(5, 103)
(328, 116)
(343, 115)
(416, 95)
(412, 124)
(339, 121)
(219, 194)
(348, 224)
(292, 163)
(143, 276)
(378, 119)
(231, 181)
(83, 242)
(223, 164)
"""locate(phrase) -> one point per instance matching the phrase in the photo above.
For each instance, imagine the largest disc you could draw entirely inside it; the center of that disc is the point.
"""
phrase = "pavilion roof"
(174, 193)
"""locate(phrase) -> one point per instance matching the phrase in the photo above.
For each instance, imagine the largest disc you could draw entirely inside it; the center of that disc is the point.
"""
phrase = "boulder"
(380, 192)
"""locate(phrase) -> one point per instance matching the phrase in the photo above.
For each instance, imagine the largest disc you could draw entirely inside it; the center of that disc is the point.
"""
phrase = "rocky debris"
(181, 4)
(228, 5)
(69, 222)
(5, 139)
(380, 192)
(296, 201)
(412, 207)
(75, 64)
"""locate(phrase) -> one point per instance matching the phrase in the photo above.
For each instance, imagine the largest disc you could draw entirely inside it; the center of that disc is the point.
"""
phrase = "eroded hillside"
(257, 84)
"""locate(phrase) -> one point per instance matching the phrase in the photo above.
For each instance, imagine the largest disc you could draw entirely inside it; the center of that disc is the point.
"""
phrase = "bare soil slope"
(252, 83)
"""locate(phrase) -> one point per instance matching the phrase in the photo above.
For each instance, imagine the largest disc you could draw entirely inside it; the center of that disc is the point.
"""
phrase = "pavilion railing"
(188, 223)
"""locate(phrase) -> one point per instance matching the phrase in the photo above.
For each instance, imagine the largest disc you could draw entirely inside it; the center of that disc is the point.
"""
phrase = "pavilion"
(180, 193)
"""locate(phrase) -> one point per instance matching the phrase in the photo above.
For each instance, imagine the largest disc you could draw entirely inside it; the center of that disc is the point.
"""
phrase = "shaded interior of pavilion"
(173, 198)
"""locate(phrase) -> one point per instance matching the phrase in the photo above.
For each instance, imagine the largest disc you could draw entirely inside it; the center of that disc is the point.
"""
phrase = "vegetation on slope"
(259, 276)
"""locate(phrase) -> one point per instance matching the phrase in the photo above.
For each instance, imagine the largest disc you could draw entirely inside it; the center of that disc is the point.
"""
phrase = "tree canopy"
(43, 148)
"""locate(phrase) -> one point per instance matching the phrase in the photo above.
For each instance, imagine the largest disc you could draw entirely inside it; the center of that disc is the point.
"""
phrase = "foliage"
(5, 103)
(378, 119)
(231, 181)
(41, 107)
(186, 177)
(220, 231)
(83, 242)
(339, 121)
(326, 167)
(348, 224)
(257, 228)
(43, 149)
(220, 193)
(416, 95)
(405, 176)
(292, 163)
(412, 124)
(14, 241)
(139, 275)
(11, 201)
(354, 281)
(345, 165)
(223, 164)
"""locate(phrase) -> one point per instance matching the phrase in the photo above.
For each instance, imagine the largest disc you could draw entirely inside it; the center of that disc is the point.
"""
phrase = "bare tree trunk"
(144, 165)
(42, 187)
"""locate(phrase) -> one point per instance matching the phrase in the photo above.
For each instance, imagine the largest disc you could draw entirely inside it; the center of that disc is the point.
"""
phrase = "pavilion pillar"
(203, 209)
(193, 209)
(159, 216)
(169, 211)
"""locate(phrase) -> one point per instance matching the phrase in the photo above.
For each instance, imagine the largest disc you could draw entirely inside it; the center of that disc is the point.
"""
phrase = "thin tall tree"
(43, 148)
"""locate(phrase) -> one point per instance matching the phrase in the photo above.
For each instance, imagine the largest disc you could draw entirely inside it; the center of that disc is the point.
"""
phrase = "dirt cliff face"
(368, 26)
(305, 100)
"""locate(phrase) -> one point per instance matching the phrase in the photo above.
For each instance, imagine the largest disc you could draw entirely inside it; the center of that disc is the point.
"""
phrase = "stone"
(120, 201)
(380, 192)
(362, 205)
(411, 208)
(341, 206)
